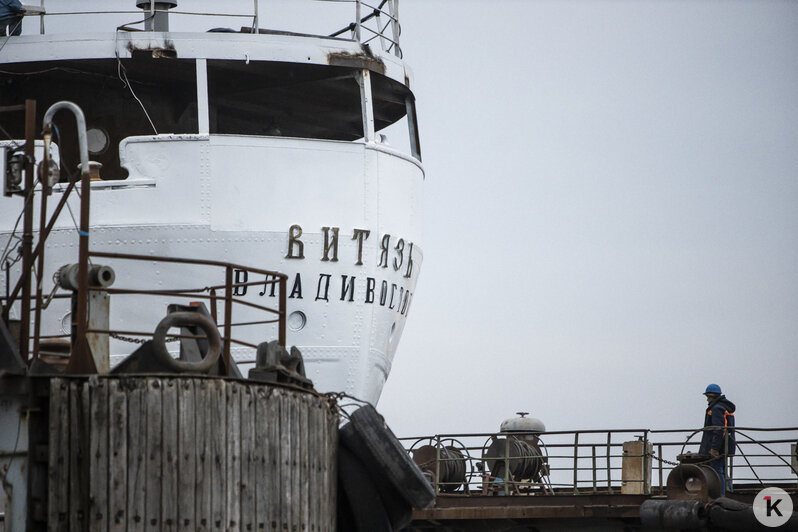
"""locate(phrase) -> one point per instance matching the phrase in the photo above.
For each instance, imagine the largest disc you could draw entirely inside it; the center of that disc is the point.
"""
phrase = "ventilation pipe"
(158, 19)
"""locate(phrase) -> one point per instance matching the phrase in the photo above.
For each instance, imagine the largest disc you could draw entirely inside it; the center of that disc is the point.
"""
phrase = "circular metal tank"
(522, 424)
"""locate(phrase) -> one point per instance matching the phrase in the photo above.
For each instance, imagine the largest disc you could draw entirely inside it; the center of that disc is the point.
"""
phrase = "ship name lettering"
(388, 295)
(269, 281)
(294, 232)
(400, 255)
(409, 270)
(330, 244)
(370, 282)
(347, 287)
(360, 235)
(383, 292)
(403, 305)
(386, 241)
(240, 277)
(296, 290)
(393, 289)
(400, 252)
(323, 277)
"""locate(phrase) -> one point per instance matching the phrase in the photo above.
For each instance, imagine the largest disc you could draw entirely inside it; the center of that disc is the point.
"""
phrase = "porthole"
(297, 320)
(97, 140)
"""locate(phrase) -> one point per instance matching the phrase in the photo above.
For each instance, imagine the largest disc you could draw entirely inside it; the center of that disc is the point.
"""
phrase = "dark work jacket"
(719, 413)
(10, 8)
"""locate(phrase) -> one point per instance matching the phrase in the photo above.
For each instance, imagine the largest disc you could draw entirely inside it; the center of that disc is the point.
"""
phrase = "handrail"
(207, 293)
(573, 462)
(381, 21)
(228, 286)
(358, 25)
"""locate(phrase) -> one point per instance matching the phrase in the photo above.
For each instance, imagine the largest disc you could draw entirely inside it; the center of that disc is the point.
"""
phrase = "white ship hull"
(341, 218)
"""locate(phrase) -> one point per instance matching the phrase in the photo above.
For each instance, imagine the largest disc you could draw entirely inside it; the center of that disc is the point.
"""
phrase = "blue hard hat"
(713, 388)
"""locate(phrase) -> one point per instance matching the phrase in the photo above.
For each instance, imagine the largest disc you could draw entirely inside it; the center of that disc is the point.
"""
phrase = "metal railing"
(369, 22)
(215, 294)
(370, 27)
(596, 461)
(80, 359)
(220, 298)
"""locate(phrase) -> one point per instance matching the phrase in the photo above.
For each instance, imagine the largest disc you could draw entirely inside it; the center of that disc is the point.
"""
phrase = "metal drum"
(450, 471)
(524, 459)
(693, 481)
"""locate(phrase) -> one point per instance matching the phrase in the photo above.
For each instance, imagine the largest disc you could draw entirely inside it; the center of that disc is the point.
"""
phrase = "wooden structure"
(189, 453)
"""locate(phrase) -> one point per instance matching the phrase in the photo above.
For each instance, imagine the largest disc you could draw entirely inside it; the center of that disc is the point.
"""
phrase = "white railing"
(374, 22)
(370, 22)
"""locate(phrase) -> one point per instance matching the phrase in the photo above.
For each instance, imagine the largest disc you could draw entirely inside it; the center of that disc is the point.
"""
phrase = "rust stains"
(364, 59)
(166, 51)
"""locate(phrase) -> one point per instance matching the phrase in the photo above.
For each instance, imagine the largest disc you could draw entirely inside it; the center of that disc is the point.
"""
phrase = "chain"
(139, 340)
(664, 461)
(655, 457)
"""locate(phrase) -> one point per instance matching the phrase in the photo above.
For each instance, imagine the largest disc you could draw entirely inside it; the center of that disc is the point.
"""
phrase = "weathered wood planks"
(189, 453)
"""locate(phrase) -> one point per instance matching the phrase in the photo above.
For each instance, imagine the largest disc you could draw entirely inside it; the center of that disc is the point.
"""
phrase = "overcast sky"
(611, 214)
(611, 211)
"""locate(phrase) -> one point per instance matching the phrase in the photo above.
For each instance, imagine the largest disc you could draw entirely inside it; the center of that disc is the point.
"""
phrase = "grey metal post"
(366, 108)
(437, 464)
(506, 464)
(412, 126)
(395, 27)
(576, 462)
(646, 464)
(357, 20)
(609, 470)
(257, 20)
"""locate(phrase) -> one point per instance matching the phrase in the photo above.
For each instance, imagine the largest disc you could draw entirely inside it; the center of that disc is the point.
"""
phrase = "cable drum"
(449, 474)
(524, 459)
(693, 481)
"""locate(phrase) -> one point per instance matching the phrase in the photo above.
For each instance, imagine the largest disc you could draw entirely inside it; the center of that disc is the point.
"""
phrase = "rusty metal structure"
(165, 439)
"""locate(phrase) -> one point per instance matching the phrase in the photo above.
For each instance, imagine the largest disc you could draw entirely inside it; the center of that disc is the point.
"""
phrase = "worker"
(718, 439)
(10, 17)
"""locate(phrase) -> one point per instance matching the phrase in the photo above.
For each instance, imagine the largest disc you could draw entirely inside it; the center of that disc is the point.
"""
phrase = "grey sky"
(611, 218)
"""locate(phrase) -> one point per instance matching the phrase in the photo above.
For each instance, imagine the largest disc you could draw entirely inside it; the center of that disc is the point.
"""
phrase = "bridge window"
(167, 89)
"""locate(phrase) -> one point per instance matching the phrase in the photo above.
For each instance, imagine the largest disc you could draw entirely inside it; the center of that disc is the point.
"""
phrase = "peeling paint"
(364, 59)
(166, 51)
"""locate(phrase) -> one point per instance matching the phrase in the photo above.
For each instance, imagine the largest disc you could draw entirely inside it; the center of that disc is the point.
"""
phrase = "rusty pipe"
(81, 359)
(83, 145)
(45, 184)
(27, 228)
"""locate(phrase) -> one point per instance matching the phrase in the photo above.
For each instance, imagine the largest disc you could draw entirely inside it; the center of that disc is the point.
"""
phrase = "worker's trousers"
(719, 465)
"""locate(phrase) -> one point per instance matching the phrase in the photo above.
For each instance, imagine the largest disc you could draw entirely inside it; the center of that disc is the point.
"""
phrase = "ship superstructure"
(248, 146)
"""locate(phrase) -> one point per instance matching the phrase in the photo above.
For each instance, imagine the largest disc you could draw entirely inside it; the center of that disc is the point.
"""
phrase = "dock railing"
(615, 461)
(366, 22)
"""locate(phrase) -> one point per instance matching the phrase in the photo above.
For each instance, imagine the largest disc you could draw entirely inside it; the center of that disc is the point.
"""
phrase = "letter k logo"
(772, 506)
